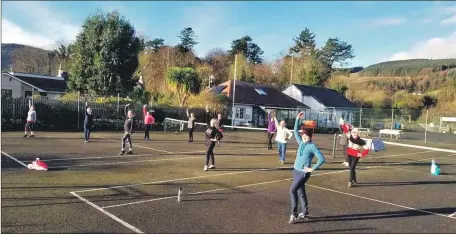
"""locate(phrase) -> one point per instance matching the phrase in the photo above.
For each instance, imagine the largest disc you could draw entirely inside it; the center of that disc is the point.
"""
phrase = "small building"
(252, 101)
(327, 105)
(18, 84)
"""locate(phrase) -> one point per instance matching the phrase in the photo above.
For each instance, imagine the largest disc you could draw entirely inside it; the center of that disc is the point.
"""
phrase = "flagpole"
(233, 110)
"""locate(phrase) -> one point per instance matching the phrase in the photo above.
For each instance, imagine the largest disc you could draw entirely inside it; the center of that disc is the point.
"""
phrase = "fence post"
(425, 129)
(392, 123)
(14, 107)
(79, 95)
(360, 117)
(117, 122)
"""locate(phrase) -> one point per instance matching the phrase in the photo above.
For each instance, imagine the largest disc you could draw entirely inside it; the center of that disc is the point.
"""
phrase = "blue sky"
(378, 31)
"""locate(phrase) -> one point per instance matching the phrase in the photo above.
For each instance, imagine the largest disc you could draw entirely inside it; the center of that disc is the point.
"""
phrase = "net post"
(360, 117)
(334, 145)
(118, 100)
(392, 122)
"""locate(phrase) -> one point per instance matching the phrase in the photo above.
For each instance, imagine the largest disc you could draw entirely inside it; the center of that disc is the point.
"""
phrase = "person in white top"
(282, 136)
(31, 119)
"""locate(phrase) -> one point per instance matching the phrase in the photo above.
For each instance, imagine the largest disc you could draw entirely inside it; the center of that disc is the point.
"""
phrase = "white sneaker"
(211, 167)
(292, 219)
(346, 164)
(303, 217)
(205, 168)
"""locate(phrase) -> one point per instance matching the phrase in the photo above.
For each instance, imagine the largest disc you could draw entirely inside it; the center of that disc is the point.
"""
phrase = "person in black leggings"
(355, 150)
(191, 126)
(212, 136)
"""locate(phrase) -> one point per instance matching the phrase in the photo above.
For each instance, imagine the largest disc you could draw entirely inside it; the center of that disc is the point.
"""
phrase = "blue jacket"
(306, 151)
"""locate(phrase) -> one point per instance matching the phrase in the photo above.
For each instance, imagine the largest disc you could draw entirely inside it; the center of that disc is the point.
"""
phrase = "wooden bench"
(397, 133)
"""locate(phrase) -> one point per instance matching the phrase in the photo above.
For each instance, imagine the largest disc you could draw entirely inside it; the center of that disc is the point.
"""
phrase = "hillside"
(409, 68)
(37, 59)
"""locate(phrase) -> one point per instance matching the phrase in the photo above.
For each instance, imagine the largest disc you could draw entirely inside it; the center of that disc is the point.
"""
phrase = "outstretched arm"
(296, 130)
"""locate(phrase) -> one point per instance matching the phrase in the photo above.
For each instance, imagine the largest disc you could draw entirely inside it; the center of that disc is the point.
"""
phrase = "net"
(238, 134)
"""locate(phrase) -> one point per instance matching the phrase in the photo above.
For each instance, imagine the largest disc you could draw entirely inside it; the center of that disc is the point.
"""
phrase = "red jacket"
(148, 119)
(345, 127)
(354, 152)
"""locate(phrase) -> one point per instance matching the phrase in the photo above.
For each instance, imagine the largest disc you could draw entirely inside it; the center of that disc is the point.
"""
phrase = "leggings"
(298, 189)
(190, 134)
(352, 161)
(210, 153)
(126, 137)
(270, 135)
(146, 131)
(87, 130)
(28, 126)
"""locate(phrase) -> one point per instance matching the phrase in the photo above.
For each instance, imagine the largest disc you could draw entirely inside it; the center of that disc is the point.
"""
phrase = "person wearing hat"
(356, 149)
(302, 170)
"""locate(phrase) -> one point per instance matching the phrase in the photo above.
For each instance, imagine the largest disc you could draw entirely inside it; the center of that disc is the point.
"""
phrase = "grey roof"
(46, 83)
(246, 94)
(327, 97)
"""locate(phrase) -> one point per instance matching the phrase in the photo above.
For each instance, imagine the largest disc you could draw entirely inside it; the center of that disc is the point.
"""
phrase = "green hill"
(410, 68)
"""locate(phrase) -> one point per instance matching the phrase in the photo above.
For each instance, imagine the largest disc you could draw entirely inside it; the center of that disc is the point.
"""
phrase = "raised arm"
(296, 130)
(320, 157)
(186, 111)
(276, 123)
(144, 110)
(126, 110)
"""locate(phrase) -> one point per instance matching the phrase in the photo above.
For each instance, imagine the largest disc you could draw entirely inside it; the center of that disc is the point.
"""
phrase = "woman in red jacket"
(148, 121)
(356, 149)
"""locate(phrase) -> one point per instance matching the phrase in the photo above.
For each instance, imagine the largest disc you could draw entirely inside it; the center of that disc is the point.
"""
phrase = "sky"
(378, 31)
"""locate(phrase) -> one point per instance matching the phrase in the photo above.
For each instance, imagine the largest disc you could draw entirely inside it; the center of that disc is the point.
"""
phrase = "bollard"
(179, 195)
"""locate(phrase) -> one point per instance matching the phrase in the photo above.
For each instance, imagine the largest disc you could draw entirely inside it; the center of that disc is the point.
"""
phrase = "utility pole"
(291, 72)
(233, 110)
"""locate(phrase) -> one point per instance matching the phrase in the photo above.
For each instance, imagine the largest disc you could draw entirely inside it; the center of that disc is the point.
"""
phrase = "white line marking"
(451, 215)
(140, 146)
(129, 226)
(179, 179)
(215, 190)
(107, 157)
(389, 156)
(420, 147)
(13, 158)
(248, 185)
(128, 162)
(384, 202)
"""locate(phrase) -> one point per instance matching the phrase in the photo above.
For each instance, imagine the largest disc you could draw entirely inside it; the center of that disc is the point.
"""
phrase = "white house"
(327, 105)
(253, 100)
(17, 84)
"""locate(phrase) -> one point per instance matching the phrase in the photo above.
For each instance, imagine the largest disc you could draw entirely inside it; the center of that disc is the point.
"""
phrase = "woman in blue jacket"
(301, 172)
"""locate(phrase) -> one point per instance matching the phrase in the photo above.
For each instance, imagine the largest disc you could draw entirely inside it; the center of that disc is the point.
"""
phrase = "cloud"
(434, 48)
(450, 19)
(45, 29)
(387, 22)
(12, 33)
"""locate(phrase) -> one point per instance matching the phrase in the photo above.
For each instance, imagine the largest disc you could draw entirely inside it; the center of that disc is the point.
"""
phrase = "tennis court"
(90, 188)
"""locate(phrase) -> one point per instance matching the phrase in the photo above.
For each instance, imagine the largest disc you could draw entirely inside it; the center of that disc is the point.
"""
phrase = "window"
(43, 94)
(260, 91)
(7, 93)
(240, 113)
(28, 93)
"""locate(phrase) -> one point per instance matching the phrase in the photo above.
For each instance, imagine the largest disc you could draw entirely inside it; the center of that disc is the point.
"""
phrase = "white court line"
(389, 156)
(172, 180)
(248, 185)
(128, 162)
(197, 177)
(114, 156)
(214, 190)
(13, 158)
(420, 147)
(136, 145)
(452, 215)
(384, 202)
(129, 226)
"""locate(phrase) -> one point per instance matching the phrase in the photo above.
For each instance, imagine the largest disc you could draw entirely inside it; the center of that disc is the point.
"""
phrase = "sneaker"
(350, 184)
(122, 152)
(283, 162)
(32, 135)
(86, 141)
(302, 216)
(211, 167)
(130, 152)
(354, 183)
(292, 219)
(25, 136)
(345, 164)
(205, 168)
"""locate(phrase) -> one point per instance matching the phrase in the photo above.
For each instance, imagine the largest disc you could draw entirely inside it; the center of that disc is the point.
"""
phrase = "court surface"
(90, 188)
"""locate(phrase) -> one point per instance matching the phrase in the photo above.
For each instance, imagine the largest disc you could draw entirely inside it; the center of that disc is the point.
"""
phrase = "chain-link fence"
(68, 115)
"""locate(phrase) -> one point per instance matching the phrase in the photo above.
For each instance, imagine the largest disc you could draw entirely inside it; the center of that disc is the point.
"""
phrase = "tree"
(105, 55)
(33, 60)
(155, 44)
(185, 82)
(304, 43)
(187, 40)
(219, 60)
(204, 72)
(335, 51)
(250, 50)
